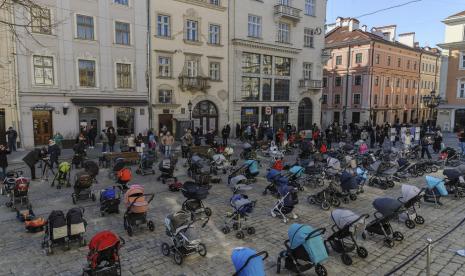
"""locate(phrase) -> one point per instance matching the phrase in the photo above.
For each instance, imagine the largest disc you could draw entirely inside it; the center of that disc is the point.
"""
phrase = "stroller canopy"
(237, 180)
(348, 181)
(194, 159)
(272, 174)
(334, 163)
(177, 220)
(103, 240)
(437, 183)
(343, 217)
(239, 202)
(252, 165)
(218, 158)
(246, 146)
(300, 234)
(192, 190)
(363, 174)
(409, 192)
(452, 173)
(297, 171)
(254, 267)
(387, 206)
(64, 167)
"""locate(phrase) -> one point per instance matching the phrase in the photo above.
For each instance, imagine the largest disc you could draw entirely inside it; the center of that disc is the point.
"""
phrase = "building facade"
(82, 63)
(189, 64)
(275, 62)
(373, 78)
(452, 112)
(8, 100)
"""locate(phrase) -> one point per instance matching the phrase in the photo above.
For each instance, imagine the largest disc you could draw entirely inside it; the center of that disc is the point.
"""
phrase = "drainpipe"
(346, 98)
(149, 65)
(371, 81)
(418, 90)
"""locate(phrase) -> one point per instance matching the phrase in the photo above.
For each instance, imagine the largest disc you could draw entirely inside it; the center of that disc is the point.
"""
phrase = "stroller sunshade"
(437, 183)
(252, 165)
(387, 206)
(343, 217)
(451, 173)
(409, 192)
(103, 240)
(237, 180)
(297, 171)
(299, 235)
(254, 267)
(177, 220)
(191, 190)
(334, 163)
(348, 181)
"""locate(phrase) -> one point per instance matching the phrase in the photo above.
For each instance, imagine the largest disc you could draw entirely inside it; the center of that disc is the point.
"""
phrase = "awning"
(107, 102)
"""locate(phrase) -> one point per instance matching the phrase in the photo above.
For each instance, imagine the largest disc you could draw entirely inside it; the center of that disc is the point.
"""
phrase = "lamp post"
(189, 107)
(431, 101)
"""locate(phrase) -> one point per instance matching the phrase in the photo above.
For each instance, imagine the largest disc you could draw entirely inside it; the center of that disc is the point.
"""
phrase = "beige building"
(430, 75)
(8, 103)
(189, 60)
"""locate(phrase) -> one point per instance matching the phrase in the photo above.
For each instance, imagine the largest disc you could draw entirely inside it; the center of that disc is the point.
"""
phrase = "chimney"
(353, 24)
(339, 21)
(407, 39)
(417, 45)
(364, 28)
(387, 32)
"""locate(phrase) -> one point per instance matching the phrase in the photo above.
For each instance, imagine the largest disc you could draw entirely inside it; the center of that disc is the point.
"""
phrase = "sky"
(423, 17)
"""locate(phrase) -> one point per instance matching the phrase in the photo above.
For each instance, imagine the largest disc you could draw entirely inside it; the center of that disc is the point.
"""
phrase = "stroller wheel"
(434, 169)
(151, 226)
(311, 199)
(9, 204)
(208, 212)
(390, 184)
(398, 236)
(419, 220)
(346, 259)
(165, 249)
(225, 230)
(240, 235)
(250, 230)
(74, 198)
(362, 252)
(428, 170)
(320, 270)
(236, 226)
(410, 224)
(345, 200)
(389, 243)
(178, 257)
(93, 197)
(129, 230)
(202, 249)
(325, 205)
(336, 202)
(353, 197)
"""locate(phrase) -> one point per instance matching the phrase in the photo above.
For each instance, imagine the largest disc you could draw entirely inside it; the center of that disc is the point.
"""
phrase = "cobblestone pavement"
(21, 252)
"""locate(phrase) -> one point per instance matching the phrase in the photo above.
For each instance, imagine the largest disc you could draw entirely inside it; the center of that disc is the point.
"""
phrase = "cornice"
(266, 46)
(204, 4)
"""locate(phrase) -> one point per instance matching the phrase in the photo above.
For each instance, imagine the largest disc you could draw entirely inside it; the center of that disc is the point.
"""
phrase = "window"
(461, 93)
(388, 82)
(408, 64)
(285, 2)
(337, 99)
(215, 71)
(406, 99)
(122, 2)
(397, 99)
(215, 2)
(375, 100)
(399, 62)
(266, 89)
(310, 7)
(325, 82)
(338, 81)
(251, 63)
(284, 32)
(376, 81)
(336, 116)
(43, 70)
(358, 80)
(255, 26)
(414, 84)
(398, 82)
(282, 66)
(163, 25)
(214, 34)
(85, 27)
(267, 65)
(462, 61)
(356, 117)
(415, 65)
(165, 96)
(389, 60)
(338, 60)
(358, 58)
(386, 100)
(250, 89)
(407, 82)
(377, 58)
(281, 90)
(123, 75)
(308, 38)
(87, 73)
(192, 68)
(122, 33)
(164, 67)
(357, 98)
(307, 73)
(413, 99)
(192, 33)
(41, 20)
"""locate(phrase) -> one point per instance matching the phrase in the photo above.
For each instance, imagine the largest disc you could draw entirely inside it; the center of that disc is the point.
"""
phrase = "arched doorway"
(89, 116)
(125, 120)
(205, 116)
(305, 120)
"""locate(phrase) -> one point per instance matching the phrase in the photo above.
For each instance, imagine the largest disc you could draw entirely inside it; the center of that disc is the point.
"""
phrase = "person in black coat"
(31, 160)
(54, 152)
(3, 160)
(225, 134)
(92, 134)
(111, 139)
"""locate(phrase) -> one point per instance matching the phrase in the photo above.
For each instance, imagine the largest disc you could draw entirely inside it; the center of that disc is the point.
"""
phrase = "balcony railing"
(287, 12)
(311, 84)
(198, 83)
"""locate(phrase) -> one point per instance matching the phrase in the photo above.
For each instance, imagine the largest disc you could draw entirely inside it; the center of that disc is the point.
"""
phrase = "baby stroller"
(286, 203)
(250, 169)
(349, 186)
(82, 187)
(146, 163)
(455, 182)
(103, 257)
(177, 226)
(197, 170)
(347, 225)
(9, 181)
(242, 207)
(119, 164)
(92, 169)
(411, 196)
(137, 205)
(19, 195)
(123, 177)
(381, 177)
(248, 152)
(109, 201)
(326, 198)
(294, 175)
(219, 164)
(304, 244)
(450, 157)
(166, 167)
(194, 194)
(62, 176)
(79, 155)
(76, 225)
(435, 190)
(275, 178)
(248, 262)
(386, 209)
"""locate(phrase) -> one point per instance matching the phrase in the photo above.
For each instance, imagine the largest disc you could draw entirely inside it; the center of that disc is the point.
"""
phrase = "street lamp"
(431, 101)
(189, 107)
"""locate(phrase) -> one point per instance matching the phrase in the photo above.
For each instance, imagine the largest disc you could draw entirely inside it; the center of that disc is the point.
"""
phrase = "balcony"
(311, 84)
(287, 12)
(193, 84)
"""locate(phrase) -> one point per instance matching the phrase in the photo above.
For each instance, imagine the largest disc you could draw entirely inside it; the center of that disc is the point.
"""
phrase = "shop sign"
(42, 107)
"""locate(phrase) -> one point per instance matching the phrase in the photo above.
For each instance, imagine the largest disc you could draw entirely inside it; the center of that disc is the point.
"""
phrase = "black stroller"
(119, 164)
(92, 169)
(411, 196)
(382, 175)
(194, 194)
(110, 199)
(455, 182)
(346, 226)
(166, 167)
(386, 210)
(82, 187)
(146, 163)
(199, 170)
(79, 155)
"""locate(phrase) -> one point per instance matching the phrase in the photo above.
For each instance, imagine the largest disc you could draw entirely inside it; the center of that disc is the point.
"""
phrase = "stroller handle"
(123, 241)
(249, 259)
(316, 233)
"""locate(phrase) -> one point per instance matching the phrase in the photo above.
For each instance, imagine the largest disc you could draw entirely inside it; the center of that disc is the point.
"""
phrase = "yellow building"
(430, 74)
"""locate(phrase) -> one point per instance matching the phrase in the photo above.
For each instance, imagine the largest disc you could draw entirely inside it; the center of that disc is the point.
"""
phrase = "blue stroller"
(435, 189)
(242, 207)
(288, 198)
(349, 186)
(295, 173)
(304, 244)
(273, 177)
(110, 199)
(248, 262)
(250, 169)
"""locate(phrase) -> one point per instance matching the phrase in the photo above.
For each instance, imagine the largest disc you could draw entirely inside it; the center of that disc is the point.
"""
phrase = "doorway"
(280, 117)
(2, 127)
(125, 121)
(205, 115)
(43, 127)
(89, 116)
(305, 120)
(165, 120)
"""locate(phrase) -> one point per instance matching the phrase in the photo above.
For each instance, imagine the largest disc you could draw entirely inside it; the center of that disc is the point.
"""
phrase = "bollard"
(428, 257)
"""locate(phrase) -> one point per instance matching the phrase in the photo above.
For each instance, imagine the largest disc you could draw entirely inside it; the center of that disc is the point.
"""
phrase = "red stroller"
(103, 257)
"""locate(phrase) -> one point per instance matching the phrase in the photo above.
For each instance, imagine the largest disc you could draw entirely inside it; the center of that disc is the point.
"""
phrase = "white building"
(83, 64)
(275, 61)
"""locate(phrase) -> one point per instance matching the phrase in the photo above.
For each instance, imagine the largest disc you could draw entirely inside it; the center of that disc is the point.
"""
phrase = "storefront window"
(250, 63)
(249, 115)
(267, 65)
(282, 66)
(250, 89)
(266, 89)
(125, 120)
(280, 115)
(281, 90)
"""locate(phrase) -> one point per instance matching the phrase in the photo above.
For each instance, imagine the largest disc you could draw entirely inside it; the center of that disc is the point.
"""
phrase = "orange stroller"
(137, 205)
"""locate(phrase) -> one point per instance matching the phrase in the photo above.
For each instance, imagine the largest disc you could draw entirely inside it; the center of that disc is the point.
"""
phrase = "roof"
(462, 13)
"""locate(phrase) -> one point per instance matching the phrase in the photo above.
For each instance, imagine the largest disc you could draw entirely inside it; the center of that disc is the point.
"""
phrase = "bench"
(108, 158)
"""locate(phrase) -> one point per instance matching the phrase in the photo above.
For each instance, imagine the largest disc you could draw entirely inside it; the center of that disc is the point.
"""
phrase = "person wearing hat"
(54, 152)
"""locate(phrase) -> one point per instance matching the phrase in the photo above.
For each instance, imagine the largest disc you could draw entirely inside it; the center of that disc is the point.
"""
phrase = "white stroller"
(286, 203)
(274, 152)
(219, 164)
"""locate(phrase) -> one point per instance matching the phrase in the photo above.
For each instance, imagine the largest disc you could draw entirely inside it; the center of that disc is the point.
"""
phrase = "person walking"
(3, 160)
(12, 135)
(139, 143)
(111, 139)
(187, 140)
(168, 141)
(425, 142)
(31, 159)
(132, 143)
(437, 141)
(225, 134)
(407, 140)
(104, 139)
(54, 152)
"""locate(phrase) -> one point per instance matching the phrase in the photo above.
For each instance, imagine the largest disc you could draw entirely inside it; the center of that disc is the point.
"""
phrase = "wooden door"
(165, 120)
(43, 127)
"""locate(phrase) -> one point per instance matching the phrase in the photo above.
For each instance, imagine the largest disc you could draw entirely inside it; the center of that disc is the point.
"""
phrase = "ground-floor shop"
(451, 118)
